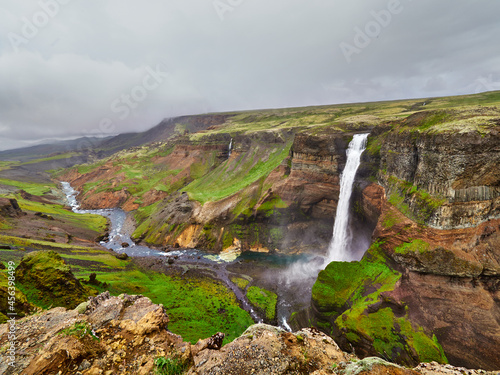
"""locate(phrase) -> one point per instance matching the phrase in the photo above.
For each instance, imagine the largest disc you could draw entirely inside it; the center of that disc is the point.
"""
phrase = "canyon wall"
(432, 273)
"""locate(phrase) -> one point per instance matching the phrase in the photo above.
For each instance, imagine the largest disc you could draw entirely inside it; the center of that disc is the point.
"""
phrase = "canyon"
(422, 281)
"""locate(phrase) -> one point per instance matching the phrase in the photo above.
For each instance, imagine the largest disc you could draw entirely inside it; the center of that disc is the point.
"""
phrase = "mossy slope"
(48, 281)
(351, 306)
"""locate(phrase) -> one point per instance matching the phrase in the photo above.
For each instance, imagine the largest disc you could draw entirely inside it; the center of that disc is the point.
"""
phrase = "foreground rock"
(264, 349)
(127, 334)
(107, 335)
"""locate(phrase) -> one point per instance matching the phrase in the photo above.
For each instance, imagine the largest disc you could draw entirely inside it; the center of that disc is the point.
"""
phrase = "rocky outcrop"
(129, 335)
(106, 335)
(50, 281)
(9, 207)
(20, 305)
(263, 350)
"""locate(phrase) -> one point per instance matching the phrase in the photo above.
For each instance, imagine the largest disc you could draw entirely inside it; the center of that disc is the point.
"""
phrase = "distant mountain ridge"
(102, 147)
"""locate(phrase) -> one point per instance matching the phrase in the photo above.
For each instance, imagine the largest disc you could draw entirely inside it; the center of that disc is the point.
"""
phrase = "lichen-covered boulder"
(48, 281)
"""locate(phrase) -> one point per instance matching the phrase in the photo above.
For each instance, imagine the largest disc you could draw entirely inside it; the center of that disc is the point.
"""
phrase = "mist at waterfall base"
(350, 238)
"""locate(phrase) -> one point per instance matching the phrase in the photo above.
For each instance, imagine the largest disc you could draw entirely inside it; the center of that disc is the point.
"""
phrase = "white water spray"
(339, 249)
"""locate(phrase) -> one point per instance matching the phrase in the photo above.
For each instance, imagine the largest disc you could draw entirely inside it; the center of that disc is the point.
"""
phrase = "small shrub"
(79, 330)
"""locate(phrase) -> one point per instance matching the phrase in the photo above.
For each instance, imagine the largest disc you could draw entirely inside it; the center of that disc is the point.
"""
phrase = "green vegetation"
(264, 300)
(415, 246)
(198, 308)
(349, 293)
(50, 158)
(79, 330)
(374, 146)
(97, 223)
(390, 220)
(269, 206)
(169, 366)
(434, 118)
(29, 187)
(392, 335)
(425, 205)
(36, 244)
(47, 280)
(21, 306)
(240, 282)
(251, 167)
(341, 282)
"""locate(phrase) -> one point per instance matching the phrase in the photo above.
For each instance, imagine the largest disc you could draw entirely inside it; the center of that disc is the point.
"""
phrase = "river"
(217, 267)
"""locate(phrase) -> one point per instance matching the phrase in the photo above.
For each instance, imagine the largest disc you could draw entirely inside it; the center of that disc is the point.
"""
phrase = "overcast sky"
(70, 68)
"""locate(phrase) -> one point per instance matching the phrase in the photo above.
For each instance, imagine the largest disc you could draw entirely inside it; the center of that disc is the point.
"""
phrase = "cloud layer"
(71, 67)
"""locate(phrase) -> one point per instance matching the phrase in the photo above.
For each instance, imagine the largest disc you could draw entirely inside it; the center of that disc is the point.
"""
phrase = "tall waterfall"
(342, 238)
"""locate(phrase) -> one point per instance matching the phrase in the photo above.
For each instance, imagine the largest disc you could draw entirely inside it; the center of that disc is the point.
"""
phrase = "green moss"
(169, 366)
(418, 245)
(197, 308)
(392, 336)
(47, 281)
(390, 220)
(240, 282)
(270, 205)
(425, 205)
(264, 300)
(434, 118)
(218, 184)
(227, 240)
(341, 284)
(277, 234)
(21, 305)
(350, 293)
(79, 330)
(30, 187)
(37, 244)
(373, 146)
(4, 225)
(96, 223)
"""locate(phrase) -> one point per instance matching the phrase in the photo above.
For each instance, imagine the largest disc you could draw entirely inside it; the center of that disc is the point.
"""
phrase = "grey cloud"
(263, 54)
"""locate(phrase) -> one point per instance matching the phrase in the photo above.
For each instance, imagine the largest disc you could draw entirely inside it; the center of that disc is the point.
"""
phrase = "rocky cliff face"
(421, 284)
(458, 172)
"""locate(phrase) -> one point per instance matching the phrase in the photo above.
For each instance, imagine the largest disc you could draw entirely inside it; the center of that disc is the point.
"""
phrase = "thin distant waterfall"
(339, 249)
(230, 148)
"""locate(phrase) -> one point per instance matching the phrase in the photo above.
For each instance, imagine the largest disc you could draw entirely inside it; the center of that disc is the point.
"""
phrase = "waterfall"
(230, 148)
(339, 249)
